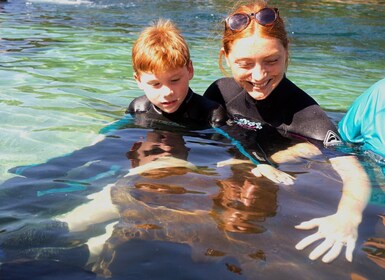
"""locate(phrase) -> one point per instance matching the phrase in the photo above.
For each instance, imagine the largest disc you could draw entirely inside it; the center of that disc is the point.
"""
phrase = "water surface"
(65, 73)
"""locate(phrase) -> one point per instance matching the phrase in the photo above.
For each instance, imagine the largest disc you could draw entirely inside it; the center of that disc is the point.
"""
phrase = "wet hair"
(277, 30)
(159, 48)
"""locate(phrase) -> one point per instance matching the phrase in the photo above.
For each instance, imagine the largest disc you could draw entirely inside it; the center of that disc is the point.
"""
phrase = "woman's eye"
(272, 61)
(245, 65)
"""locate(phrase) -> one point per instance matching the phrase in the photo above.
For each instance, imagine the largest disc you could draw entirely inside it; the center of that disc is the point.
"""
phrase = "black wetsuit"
(196, 112)
(288, 109)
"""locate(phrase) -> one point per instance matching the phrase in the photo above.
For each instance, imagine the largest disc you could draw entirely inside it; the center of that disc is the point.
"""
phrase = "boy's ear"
(190, 69)
(137, 79)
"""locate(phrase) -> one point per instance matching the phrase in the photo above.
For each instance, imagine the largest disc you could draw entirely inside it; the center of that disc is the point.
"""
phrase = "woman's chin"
(257, 95)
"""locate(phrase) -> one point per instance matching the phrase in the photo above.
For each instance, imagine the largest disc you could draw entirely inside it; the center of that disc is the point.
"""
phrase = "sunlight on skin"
(296, 153)
(231, 161)
(273, 174)
(266, 170)
(293, 154)
(340, 229)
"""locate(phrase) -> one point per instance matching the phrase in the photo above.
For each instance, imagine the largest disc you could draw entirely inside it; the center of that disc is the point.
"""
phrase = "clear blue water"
(65, 73)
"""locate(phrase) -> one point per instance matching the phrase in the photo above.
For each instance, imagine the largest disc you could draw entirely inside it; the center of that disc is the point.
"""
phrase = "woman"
(259, 91)
(255, 48)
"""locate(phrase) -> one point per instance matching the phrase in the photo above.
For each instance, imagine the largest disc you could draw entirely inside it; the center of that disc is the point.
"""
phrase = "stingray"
(155, 202)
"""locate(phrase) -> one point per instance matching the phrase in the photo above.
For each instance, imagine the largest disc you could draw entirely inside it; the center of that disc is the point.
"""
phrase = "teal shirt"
(364, 122)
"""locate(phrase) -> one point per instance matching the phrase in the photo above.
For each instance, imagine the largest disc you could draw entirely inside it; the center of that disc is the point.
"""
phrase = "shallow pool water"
(65, 73)
(176, 221)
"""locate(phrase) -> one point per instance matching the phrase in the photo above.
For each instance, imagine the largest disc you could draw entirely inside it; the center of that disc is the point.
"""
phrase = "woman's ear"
(222, 55)
(287, 59)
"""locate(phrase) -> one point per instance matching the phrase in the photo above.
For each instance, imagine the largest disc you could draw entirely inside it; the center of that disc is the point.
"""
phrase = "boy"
(163, 69)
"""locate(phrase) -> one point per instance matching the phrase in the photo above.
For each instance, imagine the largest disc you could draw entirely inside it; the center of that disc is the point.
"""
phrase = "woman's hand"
(338, 230)
(273, 174)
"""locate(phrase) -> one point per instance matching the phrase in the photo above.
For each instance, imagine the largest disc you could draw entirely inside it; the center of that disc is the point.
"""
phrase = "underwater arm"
(340, 229)
(262, 169)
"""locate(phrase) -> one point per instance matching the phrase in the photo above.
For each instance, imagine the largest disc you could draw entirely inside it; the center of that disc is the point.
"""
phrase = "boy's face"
(166, 90)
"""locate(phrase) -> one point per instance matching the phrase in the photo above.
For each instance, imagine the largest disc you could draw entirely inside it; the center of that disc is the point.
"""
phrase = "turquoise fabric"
(364, 123)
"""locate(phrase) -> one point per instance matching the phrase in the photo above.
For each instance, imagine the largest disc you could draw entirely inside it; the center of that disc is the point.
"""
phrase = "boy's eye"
(155, 85)
(175, 80)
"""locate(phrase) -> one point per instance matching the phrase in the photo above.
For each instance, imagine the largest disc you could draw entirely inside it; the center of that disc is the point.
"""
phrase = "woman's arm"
(257, 156)
(340, 228)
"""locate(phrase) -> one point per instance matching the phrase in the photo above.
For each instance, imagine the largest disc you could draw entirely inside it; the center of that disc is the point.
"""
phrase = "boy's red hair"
(159, 48)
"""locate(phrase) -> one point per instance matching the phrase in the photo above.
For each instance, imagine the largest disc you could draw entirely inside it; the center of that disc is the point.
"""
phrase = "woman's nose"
(258, 73)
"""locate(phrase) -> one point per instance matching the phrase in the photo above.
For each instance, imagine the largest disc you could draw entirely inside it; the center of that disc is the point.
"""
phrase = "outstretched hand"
(337, 231)
(273, 174)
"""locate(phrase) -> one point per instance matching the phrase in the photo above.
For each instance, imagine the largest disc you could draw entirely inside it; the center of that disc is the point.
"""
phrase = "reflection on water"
(244, 201)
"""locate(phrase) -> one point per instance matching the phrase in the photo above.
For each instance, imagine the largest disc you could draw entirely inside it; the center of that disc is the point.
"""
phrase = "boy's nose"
(167, 91)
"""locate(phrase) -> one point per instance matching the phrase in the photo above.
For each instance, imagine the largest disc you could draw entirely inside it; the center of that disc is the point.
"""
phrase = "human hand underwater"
(337, 230)
(273, 174)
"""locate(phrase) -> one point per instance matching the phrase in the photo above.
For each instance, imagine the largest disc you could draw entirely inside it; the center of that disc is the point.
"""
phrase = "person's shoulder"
(378, 87)
(225, 80)
(203, 102)
(140, 104)
(223, 83)
(290, 86)
(223, 90)
(212, 110)
(372, 96)
(380, 84)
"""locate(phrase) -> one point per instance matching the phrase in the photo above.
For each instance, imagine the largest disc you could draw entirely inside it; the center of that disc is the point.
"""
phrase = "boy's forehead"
(163, 74)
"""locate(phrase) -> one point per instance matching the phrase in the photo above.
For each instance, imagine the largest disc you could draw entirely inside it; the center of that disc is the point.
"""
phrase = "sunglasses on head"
(265, 17)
